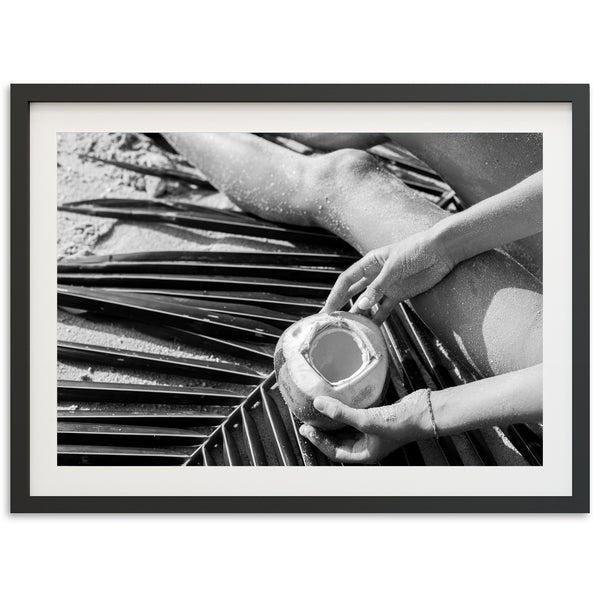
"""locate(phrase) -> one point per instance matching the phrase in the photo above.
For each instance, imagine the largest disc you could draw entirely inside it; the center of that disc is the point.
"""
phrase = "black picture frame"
(22, 95)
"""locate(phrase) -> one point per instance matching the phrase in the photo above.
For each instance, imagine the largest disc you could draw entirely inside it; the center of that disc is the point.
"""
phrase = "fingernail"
(302, 430)
(364, 303)
(320, 402)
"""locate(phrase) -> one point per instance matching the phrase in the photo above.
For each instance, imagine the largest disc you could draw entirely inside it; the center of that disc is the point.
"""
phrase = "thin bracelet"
(435, 429)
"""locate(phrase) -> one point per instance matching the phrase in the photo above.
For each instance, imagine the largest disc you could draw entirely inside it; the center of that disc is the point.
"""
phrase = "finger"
(340, 412)
(354, 289)
(367, 267)
(374, 292)
(339, 294)
(384, 310)
(321, 440)
(358, 287)
(338, 451)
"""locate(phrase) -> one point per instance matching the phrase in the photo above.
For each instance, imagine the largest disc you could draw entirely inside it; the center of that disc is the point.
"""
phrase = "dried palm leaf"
(158, 363)
(161, 311)
(201, 218)
(129, 393)
(174, 174)
(266, 301)
(195, 282)
(281, 272)
(296, 259)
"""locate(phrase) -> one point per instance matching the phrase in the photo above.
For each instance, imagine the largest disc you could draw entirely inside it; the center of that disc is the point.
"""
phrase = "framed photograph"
(208, 280)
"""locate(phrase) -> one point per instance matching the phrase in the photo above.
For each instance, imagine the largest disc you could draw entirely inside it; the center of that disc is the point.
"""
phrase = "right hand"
(391, 274)
(373, 433)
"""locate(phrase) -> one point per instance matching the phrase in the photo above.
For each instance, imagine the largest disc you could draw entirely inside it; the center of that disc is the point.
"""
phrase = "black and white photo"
(300, 299)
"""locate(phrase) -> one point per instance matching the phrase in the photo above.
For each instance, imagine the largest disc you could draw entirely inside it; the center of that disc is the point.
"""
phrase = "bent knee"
(334, 179)
(343, 166)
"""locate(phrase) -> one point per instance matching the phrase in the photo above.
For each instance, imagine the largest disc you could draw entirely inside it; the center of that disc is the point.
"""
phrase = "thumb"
(374, 292)
(340, 412)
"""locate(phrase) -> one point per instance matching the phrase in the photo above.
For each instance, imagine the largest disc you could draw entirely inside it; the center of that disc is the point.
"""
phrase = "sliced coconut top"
(337, 353)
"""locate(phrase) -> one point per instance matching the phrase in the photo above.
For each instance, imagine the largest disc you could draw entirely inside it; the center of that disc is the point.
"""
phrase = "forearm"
(506, 217)
(510, 398)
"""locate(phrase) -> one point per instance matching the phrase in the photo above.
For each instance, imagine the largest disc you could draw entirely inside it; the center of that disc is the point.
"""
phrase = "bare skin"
(487, 311)
(408, 268)
(376, 432)
(477, 166)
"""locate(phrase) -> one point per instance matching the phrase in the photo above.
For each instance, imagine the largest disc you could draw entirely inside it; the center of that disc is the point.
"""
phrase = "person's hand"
(373, 432)
(391, 274)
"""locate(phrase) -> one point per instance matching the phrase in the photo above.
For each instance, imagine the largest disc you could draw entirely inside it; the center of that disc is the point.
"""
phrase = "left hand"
(375, 433)
(391, 274)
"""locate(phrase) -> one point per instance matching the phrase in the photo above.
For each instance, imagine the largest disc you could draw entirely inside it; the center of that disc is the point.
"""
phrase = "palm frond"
(296, 259)
(135, 359)
(201, 218)
(175, 174)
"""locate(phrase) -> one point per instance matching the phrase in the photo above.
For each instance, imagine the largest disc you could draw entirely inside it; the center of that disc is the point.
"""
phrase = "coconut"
(341, 355)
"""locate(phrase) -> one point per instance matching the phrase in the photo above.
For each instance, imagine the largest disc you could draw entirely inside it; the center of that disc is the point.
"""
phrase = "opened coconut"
(341, 355)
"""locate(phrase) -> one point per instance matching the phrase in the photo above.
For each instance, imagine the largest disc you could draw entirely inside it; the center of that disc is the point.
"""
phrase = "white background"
(298, 556)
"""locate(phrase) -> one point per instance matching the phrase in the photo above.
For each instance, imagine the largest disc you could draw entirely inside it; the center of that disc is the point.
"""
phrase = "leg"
(476, 165)
(260, 177)
(488, 310)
